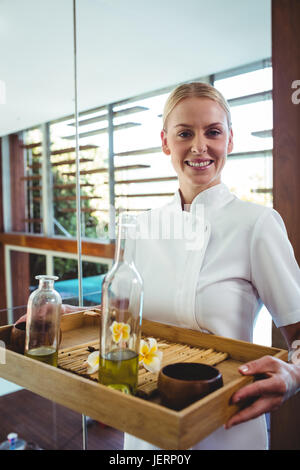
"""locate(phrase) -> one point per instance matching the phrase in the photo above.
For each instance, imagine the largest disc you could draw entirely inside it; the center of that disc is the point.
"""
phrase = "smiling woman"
(218, 286)
(119, 143)
(197, 134)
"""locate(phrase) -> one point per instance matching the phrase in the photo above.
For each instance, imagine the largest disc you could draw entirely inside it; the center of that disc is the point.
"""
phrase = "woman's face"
(198, 139)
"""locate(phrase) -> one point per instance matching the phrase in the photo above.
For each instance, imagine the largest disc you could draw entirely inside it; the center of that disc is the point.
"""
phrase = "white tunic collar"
(212, 198)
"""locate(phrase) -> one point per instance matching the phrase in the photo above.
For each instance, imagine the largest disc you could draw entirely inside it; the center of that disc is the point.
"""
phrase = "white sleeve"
(274, 269)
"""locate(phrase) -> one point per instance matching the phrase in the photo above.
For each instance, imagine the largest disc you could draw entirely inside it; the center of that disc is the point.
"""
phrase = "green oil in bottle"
(45, 354)
(119, 370)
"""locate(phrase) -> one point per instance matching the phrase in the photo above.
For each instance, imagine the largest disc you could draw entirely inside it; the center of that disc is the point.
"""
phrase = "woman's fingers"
(265, 387)
(257, 408)
(269, 370)
(263, 395)
(261, 366)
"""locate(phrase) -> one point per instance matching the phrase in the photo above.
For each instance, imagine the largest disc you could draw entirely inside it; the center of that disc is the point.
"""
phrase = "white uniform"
(217, 281)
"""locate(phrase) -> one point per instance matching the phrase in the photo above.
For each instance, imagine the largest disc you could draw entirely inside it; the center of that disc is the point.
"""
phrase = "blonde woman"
(216, 282)
(243, 259)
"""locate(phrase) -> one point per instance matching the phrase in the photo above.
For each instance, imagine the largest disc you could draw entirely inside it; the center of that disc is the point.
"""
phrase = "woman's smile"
(199, 164)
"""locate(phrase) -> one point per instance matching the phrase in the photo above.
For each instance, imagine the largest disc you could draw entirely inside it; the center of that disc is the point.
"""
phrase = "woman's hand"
(282, 380)
(65, 308)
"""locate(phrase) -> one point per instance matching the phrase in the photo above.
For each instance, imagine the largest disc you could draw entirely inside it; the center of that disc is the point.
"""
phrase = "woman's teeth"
(196, 164)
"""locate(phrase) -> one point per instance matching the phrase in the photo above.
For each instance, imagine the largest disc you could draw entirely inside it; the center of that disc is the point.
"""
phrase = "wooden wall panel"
(286, 115)
(285, 423)
(20, 279)
(2, 267)
(18, 200)
(59, 244)
(19, 261)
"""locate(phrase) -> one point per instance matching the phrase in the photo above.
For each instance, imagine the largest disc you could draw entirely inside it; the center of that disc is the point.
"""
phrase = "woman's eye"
(214, 132)
(184, 134)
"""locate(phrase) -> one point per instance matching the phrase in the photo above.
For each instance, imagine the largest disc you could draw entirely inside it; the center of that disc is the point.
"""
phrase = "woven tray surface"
(73, 359)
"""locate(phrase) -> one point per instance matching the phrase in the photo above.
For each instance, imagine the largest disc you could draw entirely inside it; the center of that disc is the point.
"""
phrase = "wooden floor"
(51, 426)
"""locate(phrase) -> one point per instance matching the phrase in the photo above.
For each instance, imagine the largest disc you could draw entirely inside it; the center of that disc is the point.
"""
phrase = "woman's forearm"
(66, 308)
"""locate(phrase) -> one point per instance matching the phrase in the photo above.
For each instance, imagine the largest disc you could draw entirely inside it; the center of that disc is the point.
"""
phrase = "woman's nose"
(198, 146)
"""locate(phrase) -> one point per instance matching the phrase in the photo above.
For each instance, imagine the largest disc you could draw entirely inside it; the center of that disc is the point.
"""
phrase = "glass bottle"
(122, 305)
(43, 322)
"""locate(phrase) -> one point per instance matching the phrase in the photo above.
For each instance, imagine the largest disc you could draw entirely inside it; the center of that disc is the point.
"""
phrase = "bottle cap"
(44, 276)
(12, 439)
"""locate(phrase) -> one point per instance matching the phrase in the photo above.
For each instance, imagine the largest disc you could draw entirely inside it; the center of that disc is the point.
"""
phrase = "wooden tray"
(142, 415)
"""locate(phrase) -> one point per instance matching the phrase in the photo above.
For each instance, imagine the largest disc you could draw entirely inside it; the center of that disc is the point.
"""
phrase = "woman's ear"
(230, 142)
(164, 142)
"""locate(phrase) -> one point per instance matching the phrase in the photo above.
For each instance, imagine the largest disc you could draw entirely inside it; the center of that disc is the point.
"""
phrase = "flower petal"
(152, 342)
(92, 370)
(120, 331)
(144, 348)
(152, 345)
(117, 337)
(125, 331)
(93, 358)
(153, 365)
(114, 326)
(93, 362)
(159, 355)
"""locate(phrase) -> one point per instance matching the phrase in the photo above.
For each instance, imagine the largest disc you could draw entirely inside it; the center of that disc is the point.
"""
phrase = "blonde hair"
(195, 89)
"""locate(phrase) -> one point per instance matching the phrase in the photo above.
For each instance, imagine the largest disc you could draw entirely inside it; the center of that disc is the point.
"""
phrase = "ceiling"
(124, 48)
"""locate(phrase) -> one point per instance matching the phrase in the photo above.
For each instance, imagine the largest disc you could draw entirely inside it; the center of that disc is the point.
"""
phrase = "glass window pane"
(93, 275)
(37, 267)
(93, 157)
(246, 83)
(92, 278)
(250, 179)
(140, 145)
(249, 119)
(67, 284)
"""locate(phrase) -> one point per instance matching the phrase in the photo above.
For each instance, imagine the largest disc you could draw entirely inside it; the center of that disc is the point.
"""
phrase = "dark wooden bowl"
(17, 337)
(183, 383)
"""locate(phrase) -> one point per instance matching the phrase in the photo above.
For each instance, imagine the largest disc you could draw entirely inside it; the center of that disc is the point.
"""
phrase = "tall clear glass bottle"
(43, 322)
(122, 305)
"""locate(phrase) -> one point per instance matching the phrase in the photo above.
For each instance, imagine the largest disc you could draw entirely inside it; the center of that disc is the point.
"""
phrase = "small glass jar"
(43, 322)
(122, 305)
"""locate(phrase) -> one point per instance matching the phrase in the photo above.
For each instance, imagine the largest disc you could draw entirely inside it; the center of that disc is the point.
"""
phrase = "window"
(67, 285)
(248, 172)
(147, 179)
